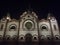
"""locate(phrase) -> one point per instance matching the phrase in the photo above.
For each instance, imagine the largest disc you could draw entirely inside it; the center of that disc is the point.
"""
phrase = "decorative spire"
(29, 12)
(49, 16)
(29, 9)
(8, 16)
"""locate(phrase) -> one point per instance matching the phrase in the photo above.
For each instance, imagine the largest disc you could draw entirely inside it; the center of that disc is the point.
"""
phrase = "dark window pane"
(12, 27)
(1, 27)
(55, 27)
(44, 28)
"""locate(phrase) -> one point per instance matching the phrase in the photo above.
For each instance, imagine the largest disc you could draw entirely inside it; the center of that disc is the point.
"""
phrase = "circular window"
(28, 25)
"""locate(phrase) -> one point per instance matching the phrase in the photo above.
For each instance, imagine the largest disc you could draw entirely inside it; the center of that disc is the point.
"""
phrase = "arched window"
(12, 27)
(1, 27)
(55, 27)
(44, 27)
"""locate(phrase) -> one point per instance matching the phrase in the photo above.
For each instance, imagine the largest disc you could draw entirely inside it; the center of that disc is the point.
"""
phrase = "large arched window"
(12, 27)
(44, 27)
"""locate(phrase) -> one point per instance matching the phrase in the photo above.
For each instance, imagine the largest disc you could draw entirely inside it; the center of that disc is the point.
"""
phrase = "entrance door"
(28, 38)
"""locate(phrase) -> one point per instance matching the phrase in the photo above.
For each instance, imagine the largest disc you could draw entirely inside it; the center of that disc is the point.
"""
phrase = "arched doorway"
(28, 37)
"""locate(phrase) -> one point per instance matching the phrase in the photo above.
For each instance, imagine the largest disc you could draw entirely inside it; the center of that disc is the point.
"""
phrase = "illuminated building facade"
(29, 27)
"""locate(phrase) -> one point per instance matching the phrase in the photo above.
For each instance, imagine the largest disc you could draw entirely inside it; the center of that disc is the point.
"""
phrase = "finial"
(49, 16)
(8, 16)
(29, 11)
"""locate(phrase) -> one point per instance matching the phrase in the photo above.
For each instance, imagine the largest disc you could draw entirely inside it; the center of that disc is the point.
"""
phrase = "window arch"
(44, 27)
(12, 27)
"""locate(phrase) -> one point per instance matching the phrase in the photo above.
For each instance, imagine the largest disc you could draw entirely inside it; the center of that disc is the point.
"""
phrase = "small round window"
(12, 27)
(44, 27)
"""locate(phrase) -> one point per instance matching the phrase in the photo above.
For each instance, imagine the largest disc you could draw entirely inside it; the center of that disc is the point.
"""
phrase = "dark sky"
(42, 8)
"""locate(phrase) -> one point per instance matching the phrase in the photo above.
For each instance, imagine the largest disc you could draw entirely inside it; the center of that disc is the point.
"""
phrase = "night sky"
(42, 8)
